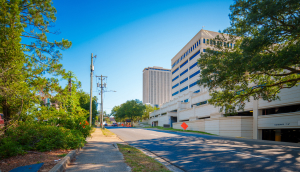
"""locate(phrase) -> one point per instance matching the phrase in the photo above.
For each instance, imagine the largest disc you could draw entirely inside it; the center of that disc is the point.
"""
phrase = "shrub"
(37, 136)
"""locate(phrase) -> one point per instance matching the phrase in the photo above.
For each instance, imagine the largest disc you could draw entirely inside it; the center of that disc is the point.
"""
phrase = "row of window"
(208, 41)
(200, 103)
(185, 71)
(175, 86)
(194, 74)
(158, 69)
(175, 78)
(175, 71)
(198, 52)
(198, 91)
(187, 53)
(184, 80)
(183, 89)
(184, 63)
(212, 42)
(175, 93)
(193, 84)
(193, 65)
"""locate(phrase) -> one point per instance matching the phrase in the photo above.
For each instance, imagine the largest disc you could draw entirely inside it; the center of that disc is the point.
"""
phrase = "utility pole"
(91, 90)
(101, 86)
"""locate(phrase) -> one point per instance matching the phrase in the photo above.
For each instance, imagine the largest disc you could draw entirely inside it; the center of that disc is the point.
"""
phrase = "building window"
(224, 44)
(198, 91)
(175, 86)
(184, 63)
(184, 80)
(175, 71)
(193, 84)
(185, 71)
(204, 50)
(185, 88)
(204, 41)
(186, 100)
(200, 103)
(194, 55)
(207, 41)
(194, 74)
(195, 64)
(175, 78)
(175, 93)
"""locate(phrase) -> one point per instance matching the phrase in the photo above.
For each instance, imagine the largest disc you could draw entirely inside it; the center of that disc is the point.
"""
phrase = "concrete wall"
(284, 120)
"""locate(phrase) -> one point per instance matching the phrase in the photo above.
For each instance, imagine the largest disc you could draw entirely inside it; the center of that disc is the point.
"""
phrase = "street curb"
(162, 161)
(167, 164)
(62, 165)
(283, 144)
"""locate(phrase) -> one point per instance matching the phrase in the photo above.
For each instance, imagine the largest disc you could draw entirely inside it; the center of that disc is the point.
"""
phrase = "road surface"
(195, 152)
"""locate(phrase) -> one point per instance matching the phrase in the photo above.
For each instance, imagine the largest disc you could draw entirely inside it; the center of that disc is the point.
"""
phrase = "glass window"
(184, 63)
(194, 55)
(204, 50)
(203, 40)
(194, 74)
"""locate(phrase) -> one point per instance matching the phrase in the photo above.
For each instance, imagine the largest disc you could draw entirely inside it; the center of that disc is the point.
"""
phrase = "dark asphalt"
(195, 152)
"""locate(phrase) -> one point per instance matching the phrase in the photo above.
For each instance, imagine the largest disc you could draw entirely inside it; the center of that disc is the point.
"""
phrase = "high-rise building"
(276, 120)
(156, 85)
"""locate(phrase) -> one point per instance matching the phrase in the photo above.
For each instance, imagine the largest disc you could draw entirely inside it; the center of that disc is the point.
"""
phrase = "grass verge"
(139, 162)
(173, 129)
(107, 133)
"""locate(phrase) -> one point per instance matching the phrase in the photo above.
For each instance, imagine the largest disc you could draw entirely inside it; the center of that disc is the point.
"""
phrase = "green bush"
(9, 148)
(40, 137)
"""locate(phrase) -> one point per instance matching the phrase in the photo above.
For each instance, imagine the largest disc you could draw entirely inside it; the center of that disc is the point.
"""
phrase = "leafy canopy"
(264, 60)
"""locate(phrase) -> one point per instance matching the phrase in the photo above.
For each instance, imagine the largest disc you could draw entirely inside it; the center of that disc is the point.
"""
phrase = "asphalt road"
(195, 152)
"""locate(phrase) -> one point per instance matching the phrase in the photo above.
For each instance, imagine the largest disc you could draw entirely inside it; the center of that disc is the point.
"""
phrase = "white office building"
(278, 120)
(156, 85)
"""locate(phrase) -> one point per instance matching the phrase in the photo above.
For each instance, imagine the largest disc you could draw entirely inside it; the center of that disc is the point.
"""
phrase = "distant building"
(156, 85)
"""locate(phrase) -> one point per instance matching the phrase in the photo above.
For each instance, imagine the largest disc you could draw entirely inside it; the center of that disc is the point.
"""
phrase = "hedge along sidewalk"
(99, 154)
(62, 165)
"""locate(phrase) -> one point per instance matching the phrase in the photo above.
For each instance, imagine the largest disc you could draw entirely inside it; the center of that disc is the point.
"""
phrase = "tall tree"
(26, 55)
(264, 60)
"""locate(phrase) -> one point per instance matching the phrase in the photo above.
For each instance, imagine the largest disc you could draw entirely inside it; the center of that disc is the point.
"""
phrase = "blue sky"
(128, 36)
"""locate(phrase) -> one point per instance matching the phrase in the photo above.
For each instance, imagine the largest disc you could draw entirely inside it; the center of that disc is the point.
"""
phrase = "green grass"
(139, 162)
(107, 133)
(172, 129)
(62, 155)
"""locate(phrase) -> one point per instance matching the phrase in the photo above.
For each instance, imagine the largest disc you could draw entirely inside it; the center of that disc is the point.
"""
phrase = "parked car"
(105, 124)
(114, 125)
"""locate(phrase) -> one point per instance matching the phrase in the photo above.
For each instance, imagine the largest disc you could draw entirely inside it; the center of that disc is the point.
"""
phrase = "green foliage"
(148, 109)
(38, 136)
(132, 109)
(23, 66)
(265, 59)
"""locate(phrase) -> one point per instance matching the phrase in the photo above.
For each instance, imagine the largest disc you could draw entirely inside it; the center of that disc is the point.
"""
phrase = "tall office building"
(156, 85)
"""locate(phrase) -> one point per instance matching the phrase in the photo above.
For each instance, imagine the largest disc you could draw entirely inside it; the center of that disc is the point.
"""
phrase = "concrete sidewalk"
(99, 154)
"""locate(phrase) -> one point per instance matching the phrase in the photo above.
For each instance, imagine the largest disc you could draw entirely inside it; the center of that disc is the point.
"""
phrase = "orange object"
(184, 126)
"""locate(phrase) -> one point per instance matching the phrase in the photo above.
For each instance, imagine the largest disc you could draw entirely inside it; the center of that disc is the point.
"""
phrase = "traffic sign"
(184, 125)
